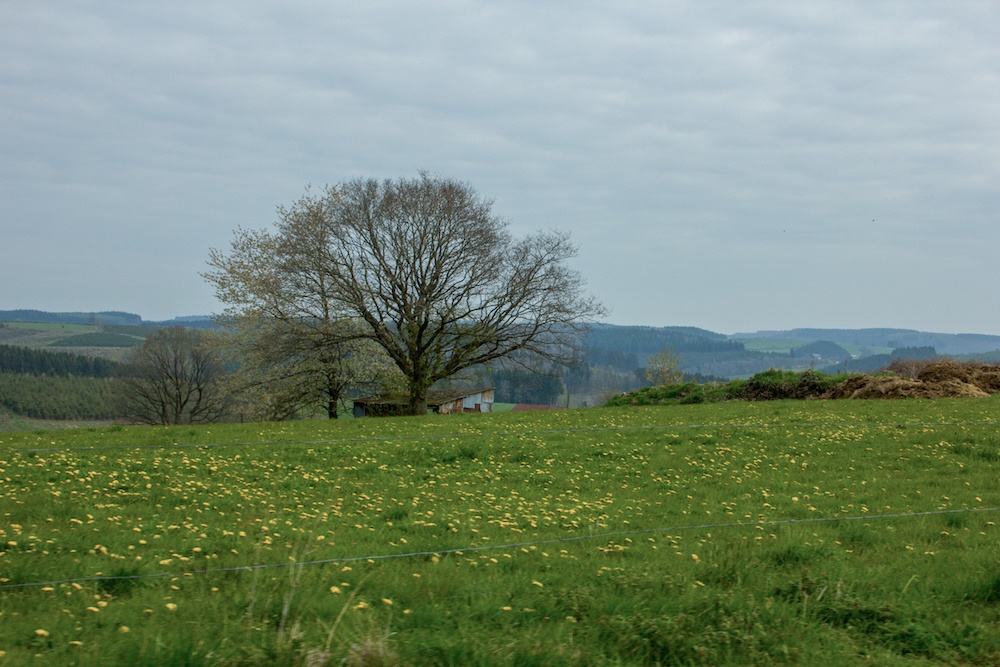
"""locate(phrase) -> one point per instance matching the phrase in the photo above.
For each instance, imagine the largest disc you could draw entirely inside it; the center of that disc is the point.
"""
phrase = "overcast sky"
(729, 165)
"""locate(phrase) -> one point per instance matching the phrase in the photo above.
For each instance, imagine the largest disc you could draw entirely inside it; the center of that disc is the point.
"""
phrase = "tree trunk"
(333, 400)
(418, 403)
(418, 395)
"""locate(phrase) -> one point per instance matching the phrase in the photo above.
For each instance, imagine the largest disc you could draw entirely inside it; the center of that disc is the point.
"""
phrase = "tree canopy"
(424, 268)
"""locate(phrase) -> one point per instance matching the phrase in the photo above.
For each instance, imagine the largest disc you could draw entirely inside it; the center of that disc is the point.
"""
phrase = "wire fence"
(501, 434)
(493, 547)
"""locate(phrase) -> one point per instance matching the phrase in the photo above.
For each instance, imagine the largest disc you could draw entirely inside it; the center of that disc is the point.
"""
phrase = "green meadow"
(791, 532)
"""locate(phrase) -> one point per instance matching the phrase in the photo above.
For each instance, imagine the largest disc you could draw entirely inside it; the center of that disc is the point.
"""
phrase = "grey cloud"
(719, 163)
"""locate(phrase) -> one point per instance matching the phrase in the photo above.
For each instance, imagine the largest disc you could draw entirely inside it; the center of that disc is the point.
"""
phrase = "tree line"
(15, 359)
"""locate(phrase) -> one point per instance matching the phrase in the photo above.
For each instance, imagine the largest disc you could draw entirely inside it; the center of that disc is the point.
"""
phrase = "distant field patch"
(98, 339)
(51, 326)
(773, 345)
(866, 350)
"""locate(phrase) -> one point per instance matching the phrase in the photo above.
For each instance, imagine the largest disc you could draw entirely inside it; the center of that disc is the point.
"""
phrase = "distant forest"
(56, 385)
(15, 359)
(48, 384)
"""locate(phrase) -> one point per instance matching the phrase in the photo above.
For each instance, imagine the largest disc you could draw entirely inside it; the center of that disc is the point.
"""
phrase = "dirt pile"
(939, 379)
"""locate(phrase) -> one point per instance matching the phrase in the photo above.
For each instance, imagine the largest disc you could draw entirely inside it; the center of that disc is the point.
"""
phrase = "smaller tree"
(174, 378)
(287, 369)
(664, 367)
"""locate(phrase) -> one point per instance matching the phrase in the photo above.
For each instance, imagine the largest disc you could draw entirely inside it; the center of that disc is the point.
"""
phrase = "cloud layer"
(727, 165)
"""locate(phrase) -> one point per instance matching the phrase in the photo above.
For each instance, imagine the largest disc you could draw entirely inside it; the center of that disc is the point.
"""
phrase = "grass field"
(98, 339)
(805, 533)
(12, 422)
(773, 345)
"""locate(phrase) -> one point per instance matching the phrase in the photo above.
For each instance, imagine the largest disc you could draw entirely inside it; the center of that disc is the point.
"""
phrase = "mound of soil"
(940, 379)
(984, 376)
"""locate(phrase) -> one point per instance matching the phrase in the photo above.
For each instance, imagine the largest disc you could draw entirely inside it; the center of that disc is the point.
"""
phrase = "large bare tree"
(435, 278)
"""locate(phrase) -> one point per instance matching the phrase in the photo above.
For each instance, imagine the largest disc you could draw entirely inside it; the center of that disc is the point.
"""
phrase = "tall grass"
(633, 536)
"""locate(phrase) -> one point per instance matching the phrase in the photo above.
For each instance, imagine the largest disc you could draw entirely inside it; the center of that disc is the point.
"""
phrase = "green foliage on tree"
(293, 348)
(300, 368)
(664, 367)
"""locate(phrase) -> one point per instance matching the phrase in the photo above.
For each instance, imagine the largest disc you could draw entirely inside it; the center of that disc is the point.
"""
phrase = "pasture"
(790, 532)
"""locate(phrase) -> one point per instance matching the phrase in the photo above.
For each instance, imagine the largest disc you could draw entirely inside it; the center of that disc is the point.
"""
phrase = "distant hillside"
(105, 317)
(641, 342)
(189, 321)
(701, 352)
(892, 338)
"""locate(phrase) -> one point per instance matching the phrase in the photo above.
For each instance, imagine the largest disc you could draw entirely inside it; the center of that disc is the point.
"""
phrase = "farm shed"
(443, 402)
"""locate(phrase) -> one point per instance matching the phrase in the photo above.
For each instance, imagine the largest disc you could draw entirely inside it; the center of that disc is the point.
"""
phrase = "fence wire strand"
(490, 547)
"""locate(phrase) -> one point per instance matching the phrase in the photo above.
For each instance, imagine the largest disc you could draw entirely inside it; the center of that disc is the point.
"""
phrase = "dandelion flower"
(42, 633)
(335, 590)
(171, 606)
(387, 602)
(123, 629)
(538, 583)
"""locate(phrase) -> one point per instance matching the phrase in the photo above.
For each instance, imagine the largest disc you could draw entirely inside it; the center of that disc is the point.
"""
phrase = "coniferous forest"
(56, 385)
